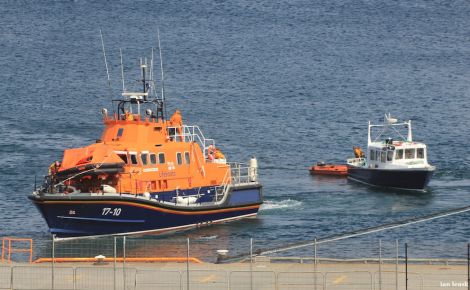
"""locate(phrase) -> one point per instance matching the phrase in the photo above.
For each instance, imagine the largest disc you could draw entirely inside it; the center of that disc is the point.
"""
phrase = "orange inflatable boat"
(329, 169)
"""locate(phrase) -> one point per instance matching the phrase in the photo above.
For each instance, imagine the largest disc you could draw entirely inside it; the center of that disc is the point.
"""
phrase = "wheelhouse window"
(389, 155)
(372, 154)
(420, 153)
(186, 158)
(153, 158)
(399, 154)
(383, 156)
(144, 157)
(161, 158)
(179, 158)
(120, 132)
(123, 157)
(410, 153)
(134, 159)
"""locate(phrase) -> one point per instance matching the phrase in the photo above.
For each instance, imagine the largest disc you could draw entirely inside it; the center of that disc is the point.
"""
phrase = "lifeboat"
(147, 173)
(329, 169)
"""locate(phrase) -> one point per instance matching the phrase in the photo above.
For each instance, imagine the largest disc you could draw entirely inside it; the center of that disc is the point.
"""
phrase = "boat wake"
(274, 205)
(207, 238)
(451, 183)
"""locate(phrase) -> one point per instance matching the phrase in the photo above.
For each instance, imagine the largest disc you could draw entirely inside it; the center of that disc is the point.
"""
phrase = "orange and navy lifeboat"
(146, 173)
(329, 169)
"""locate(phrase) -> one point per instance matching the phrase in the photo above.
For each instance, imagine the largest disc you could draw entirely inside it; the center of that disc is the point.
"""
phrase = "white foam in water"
(450, 183)
(270, 205)
(206, 238)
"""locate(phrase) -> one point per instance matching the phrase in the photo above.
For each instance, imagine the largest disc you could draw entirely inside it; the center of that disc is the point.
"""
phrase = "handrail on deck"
(8, 249)
(356, 161)
(191, 133)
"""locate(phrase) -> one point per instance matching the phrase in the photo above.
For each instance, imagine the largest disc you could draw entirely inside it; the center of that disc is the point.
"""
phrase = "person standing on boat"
(176, 121)
(218, 154)
(53, 169)
(358, 152)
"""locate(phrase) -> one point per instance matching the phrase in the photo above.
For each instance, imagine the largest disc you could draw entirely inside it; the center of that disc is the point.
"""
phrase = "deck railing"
(242, 173)
(357, 161)
(191, 134)
(239, 173)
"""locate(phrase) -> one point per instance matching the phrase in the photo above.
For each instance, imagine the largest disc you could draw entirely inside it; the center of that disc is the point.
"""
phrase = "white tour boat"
(398, 163)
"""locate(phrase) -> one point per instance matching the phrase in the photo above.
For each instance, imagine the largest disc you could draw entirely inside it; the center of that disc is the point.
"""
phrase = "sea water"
(290, 82)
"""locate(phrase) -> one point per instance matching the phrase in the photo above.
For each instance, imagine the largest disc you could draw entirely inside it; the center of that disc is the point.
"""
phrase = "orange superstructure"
(146, 154)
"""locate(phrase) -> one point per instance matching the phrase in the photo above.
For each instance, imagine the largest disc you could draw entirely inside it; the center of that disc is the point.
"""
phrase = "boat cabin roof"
(396, 144)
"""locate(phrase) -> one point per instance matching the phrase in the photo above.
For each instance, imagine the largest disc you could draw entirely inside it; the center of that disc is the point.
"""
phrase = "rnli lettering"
(167, 174)
(111, 211)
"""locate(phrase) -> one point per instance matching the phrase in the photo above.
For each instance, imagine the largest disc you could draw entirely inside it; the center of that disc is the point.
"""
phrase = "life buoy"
(211, 152)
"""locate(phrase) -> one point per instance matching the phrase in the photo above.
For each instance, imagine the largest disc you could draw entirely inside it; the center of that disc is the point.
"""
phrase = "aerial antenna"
(152, 74)
(106, 64)
(151, 67)
(122, 72)
(161, 69)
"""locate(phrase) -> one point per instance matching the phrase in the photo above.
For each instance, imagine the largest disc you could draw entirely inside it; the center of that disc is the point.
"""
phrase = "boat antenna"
(106, 64)
(122, 72)
(152, 74)
(161, 69)
(142, 66)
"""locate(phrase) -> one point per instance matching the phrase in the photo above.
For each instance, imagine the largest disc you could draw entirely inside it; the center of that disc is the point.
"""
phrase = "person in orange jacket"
(176, 120)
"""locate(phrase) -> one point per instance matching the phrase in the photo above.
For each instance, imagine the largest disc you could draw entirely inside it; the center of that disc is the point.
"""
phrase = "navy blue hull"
(102, 215)
(412, 179)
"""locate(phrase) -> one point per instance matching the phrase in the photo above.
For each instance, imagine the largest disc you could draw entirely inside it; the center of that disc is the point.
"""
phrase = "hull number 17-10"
(111, 211)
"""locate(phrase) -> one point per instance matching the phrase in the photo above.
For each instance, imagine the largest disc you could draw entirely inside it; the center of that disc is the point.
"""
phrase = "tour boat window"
(410, 153)
(120, 131)
(399, 154)
(389, 155)
(123, 157)
(133, 159)
(179, 158)
(420, 153)
(144, 157)
(161, 158)
(372, 155)
(383, 156)
(186, 157)
(153, 158)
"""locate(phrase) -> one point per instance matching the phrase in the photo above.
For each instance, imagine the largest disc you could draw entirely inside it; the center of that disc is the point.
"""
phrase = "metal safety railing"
(356, 162)
(238, 173)
(193, 133)
(242, 173)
